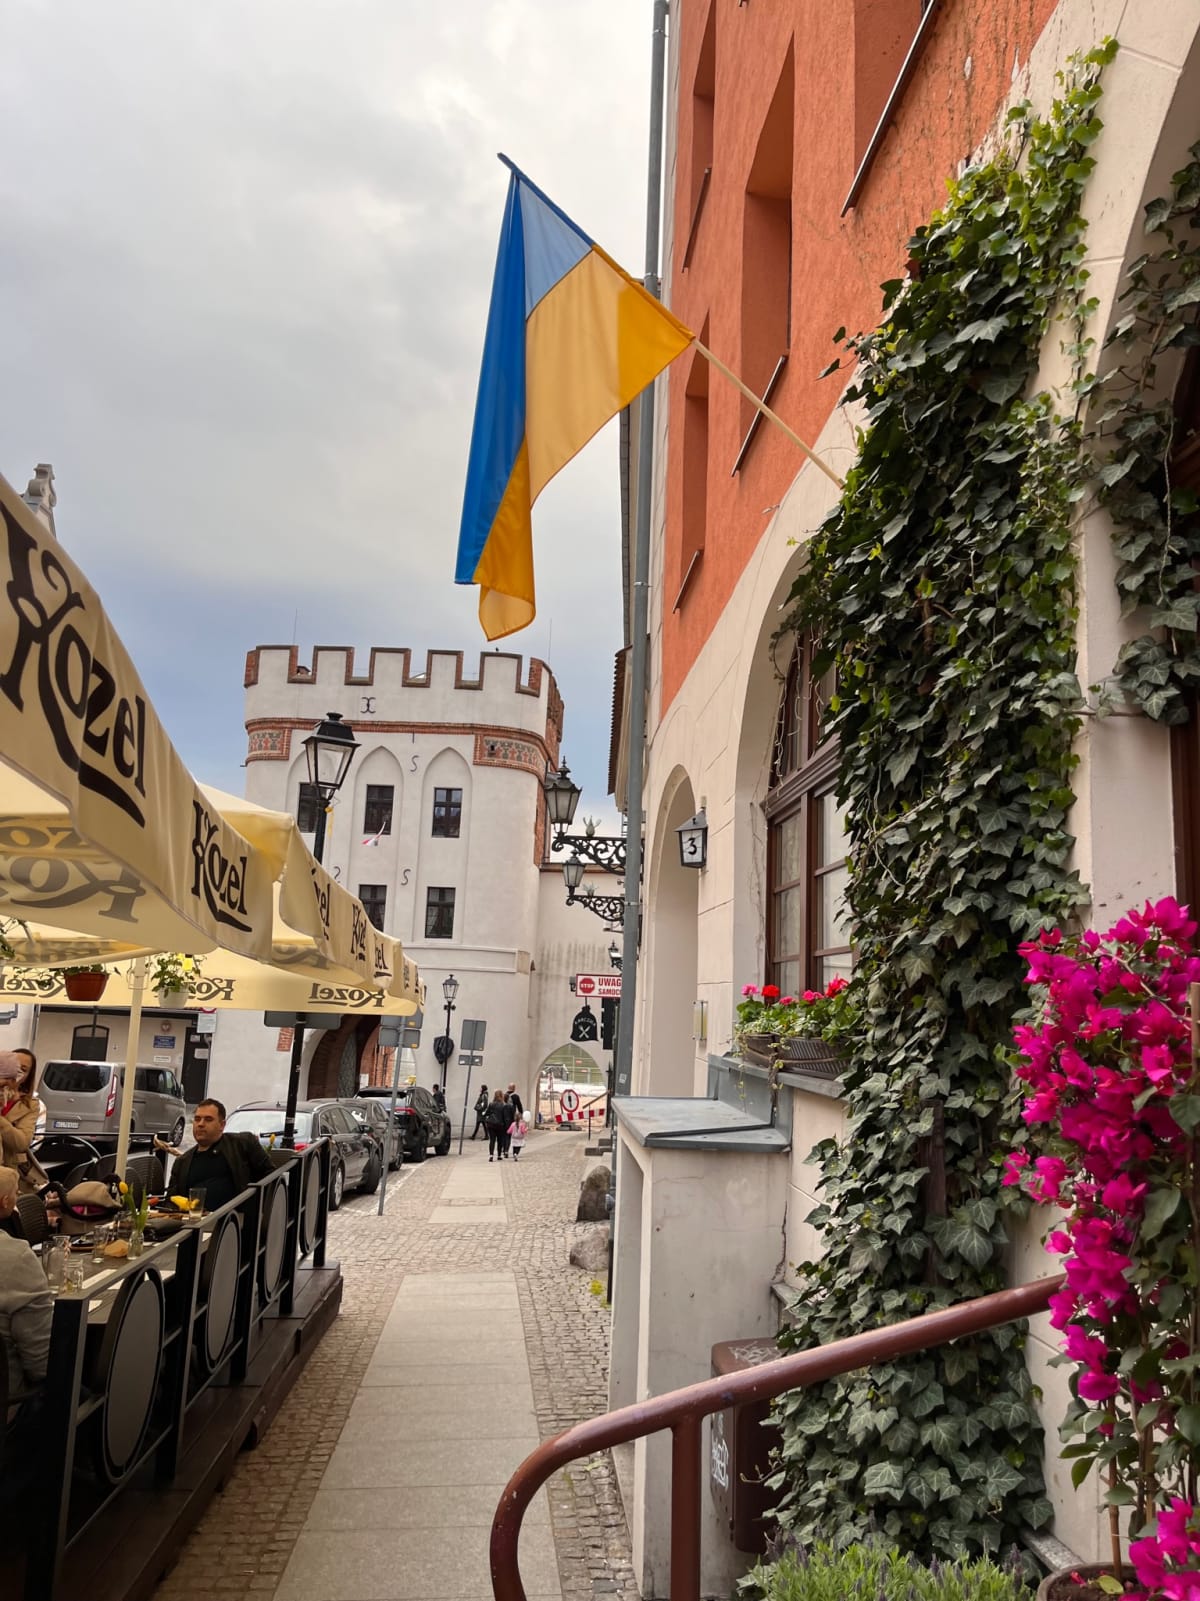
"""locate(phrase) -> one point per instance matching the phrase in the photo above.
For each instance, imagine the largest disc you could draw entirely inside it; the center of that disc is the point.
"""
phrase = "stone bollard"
(593, 1193)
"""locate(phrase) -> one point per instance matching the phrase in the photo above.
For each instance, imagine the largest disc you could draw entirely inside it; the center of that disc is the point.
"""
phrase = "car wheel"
(416, 1153)
(337, 1187)
(444, 1148)
(178, 1131)
(371, 1176)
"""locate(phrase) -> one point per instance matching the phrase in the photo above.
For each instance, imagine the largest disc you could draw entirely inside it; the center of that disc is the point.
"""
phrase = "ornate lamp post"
(328, 750)
(443, 1046)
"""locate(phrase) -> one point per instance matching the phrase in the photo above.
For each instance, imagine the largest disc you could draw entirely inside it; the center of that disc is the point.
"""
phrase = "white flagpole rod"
(771, 416)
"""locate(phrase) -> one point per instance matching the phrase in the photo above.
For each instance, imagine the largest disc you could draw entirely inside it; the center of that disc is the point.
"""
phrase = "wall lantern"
(562, 796)
(573, 874)
(693, 840)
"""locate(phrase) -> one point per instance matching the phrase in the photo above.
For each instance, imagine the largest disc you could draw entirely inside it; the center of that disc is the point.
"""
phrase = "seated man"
(222, 1164)
(26, 1306)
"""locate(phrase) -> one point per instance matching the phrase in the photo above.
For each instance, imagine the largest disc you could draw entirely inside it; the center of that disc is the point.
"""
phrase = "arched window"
(808, 942)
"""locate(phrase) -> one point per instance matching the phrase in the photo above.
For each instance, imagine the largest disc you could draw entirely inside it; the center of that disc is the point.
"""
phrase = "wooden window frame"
(372, 896)
(378, 810)
(435, 910)
(447, 812)
(795, 787)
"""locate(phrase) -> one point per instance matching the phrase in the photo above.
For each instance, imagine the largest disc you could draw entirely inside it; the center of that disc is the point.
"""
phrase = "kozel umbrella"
(108, 846)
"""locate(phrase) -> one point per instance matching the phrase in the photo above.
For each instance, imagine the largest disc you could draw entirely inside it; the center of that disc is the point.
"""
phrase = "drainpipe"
(640, 624)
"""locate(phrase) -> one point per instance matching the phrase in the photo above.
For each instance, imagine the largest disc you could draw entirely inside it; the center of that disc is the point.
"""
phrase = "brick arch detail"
(327, 1058)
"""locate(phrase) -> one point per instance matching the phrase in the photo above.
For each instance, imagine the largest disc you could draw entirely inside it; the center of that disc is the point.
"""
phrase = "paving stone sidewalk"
(361, 1482)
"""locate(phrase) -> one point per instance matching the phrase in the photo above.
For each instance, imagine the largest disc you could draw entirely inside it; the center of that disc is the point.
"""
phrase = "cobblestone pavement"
(243, 1543)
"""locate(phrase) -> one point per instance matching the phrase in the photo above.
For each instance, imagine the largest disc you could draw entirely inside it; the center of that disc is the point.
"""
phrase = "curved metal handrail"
(682, 1411)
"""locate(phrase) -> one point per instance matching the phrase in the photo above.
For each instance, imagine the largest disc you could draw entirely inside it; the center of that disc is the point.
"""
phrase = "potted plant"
(1112, 1110)
(85, 983)
(810, 1028)
(171, 977)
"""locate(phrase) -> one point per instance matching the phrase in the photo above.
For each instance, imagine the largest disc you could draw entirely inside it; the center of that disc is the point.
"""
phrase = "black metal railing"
(125, 1381)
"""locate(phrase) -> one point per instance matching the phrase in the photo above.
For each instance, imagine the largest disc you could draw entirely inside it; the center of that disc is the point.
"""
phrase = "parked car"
(421, 1124)
(374, 1113)
(356, 1153)
(84, 1098)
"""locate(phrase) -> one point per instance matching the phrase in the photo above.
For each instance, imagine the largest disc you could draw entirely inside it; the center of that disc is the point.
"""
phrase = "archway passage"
(571, 1065)
(341, 1056)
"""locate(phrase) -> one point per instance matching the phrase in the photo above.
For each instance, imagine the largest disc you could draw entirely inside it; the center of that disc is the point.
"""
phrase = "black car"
(356, 1152)
(374, 1113)
(421, 1124)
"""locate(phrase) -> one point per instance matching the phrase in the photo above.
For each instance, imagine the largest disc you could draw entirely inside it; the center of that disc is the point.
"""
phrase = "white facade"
(485, 731)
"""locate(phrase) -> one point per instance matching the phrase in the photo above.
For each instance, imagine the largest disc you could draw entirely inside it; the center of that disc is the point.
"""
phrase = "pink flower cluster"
(1110, 1050)
(1168, 1561)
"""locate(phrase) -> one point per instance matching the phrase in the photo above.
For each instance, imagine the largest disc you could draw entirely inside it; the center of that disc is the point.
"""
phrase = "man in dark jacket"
(222, 1164)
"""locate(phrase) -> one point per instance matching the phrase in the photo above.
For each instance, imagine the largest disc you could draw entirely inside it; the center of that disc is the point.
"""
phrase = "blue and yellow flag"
(571, 339)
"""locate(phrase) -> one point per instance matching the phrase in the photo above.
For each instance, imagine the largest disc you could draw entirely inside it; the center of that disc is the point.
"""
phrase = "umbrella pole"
(137, 984)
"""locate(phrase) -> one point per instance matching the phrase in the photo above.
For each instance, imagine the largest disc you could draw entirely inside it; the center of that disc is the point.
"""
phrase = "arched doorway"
(341, 1055)
(571, 1064)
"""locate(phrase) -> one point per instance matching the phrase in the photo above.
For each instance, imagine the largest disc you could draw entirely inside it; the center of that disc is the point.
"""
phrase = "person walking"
(516, 1110)
(516, 1134)
(481, 1106)
(439, 1097)
(497, 1118)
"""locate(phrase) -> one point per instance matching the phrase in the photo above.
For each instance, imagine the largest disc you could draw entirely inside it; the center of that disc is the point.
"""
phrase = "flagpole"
(640, 619)
(771, 416)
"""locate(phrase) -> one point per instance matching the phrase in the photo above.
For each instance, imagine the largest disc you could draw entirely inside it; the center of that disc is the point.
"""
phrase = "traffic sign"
(605, 985)
(570, 1100)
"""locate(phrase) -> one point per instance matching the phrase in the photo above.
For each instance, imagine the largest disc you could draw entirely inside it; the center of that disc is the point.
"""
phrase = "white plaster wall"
(702, 1229)
(814, 1118)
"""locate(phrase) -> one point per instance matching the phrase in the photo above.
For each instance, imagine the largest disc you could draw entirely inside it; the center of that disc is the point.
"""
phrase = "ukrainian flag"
(571, 339)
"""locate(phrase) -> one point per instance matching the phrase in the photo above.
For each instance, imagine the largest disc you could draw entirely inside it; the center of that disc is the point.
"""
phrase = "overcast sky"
(248, 249)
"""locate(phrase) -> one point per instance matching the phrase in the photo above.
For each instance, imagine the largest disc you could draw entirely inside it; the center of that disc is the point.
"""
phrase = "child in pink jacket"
(517, 1133)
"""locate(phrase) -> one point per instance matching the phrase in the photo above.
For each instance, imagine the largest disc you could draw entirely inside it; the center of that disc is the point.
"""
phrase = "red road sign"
(569, 1100)
(605, 985)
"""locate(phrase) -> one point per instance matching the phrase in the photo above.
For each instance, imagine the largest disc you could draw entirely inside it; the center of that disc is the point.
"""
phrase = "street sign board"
(470, 1058)
(605, 985)
(570, 1100)
(472, 1034)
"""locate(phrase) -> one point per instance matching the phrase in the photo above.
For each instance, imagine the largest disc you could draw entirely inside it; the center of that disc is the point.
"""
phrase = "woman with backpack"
(496, 1120)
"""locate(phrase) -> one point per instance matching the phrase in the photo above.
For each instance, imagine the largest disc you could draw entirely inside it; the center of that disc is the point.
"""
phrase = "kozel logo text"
(76, 691)
(218, 879)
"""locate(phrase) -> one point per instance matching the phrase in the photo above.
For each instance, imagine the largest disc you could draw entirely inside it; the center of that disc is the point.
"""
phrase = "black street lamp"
(562, 797)
(614, 956)
(328, 750)
(443, 1048)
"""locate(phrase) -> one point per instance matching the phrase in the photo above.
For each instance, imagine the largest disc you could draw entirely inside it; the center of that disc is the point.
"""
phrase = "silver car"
(85, 1098)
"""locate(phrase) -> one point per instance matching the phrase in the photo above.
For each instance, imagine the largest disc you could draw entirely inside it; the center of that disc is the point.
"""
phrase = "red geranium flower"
(770, 992)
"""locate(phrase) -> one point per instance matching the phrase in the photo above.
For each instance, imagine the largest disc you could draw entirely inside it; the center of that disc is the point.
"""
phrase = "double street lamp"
(603, 850)
(328, 750)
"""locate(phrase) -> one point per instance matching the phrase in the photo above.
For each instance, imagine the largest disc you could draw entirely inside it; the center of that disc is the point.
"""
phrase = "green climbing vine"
(1156, 529)
(942, 590)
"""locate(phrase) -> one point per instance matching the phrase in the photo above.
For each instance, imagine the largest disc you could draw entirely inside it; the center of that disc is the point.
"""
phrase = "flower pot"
(172, 999)
(85, 986)
(759, 1047)
(813, 1055)
(1078, 1584)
